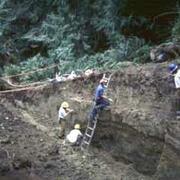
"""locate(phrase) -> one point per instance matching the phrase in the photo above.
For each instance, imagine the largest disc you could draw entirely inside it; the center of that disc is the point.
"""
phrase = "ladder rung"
(85, 142)
(90, 128)
(94, 123)
(88, 135)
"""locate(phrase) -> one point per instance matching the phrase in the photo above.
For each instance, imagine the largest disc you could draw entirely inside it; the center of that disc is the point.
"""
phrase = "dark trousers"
(79, 140)
(99, 106)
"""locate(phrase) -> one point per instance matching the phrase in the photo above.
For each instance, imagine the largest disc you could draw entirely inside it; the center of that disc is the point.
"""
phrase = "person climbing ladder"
(101, 101)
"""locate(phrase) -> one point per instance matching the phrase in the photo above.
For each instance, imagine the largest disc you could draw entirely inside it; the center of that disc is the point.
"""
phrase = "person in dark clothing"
(101, 101)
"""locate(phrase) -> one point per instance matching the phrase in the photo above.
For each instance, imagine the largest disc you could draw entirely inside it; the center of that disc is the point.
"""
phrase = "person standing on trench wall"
(175, 71)
(63, 112)
(101, 102)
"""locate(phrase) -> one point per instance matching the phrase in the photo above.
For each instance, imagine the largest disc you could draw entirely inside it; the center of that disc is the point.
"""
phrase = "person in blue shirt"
(101, 101)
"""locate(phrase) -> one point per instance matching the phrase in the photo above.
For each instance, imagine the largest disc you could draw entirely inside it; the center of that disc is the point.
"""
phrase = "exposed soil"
(32, 151)
(131, 142)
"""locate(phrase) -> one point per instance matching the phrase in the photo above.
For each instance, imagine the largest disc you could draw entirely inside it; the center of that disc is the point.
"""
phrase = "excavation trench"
(135, 133)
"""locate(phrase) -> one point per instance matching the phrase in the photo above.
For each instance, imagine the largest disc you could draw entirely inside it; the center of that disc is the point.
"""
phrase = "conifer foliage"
(74, 34)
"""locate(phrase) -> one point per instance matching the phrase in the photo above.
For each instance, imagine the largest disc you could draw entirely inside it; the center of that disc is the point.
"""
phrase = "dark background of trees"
(82, 34)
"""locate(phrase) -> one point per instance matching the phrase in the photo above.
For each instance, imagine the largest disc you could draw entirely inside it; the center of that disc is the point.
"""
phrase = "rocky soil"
(137, 139)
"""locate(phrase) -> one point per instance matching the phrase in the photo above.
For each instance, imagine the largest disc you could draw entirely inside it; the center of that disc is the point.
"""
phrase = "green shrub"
(176, 29)
(12, 70)
(141, 55)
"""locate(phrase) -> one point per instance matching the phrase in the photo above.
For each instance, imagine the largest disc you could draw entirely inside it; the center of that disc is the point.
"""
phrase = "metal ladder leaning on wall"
(88, 135)
(91, 126)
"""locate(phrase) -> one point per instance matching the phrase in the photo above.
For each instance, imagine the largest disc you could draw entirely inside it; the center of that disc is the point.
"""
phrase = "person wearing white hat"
(75, 135)
(63, 112)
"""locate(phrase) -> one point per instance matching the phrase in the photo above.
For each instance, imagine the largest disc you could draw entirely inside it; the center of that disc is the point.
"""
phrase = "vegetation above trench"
(78, 35)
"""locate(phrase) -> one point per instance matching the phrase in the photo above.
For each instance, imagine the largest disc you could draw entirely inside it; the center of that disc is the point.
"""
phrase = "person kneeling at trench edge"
(63, 112)
(75, 136)
(101, 102)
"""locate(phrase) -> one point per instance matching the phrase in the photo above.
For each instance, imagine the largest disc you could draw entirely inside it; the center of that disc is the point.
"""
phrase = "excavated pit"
(137, 139)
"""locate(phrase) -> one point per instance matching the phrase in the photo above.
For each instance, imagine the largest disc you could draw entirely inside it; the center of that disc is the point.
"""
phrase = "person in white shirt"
(177, 79)
(75, 136)
(175, 71)
(63, 112)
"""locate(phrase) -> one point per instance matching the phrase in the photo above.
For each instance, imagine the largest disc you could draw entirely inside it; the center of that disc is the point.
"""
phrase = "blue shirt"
(99, 91)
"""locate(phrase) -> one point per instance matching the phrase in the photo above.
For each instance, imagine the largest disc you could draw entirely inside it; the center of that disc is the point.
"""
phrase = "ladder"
(108, 79)
(88, 135)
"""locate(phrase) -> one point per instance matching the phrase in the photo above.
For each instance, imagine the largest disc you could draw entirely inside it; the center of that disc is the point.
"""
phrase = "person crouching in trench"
(75, 136)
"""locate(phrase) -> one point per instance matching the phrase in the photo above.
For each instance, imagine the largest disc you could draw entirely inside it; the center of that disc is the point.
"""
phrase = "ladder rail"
(109, 78)
(87, 138)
